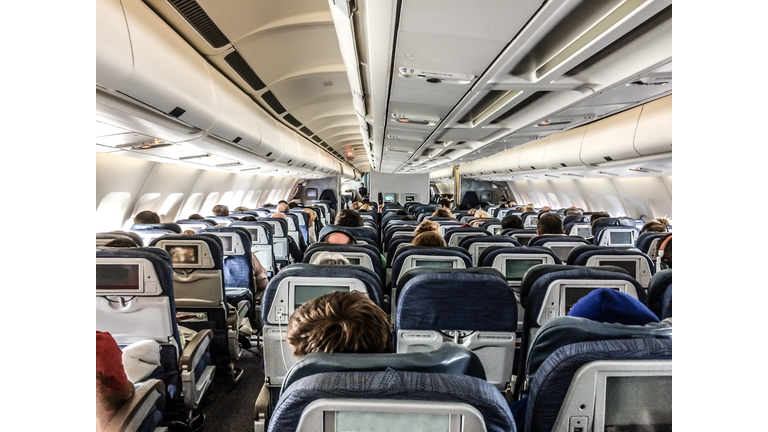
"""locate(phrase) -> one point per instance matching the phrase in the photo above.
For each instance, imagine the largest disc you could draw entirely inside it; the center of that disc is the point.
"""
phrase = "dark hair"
(408, 217)
(653, 226)
(549, 224)
(401, 212)
(196, 216)
(512, 221)
(445, 202)
(146, 217)
(121, 242)
(429, 238)
(220, 210)
(248, 219)
(597, 215)
(667, 248)
(349, 217)
(463, 207)
(339, 322)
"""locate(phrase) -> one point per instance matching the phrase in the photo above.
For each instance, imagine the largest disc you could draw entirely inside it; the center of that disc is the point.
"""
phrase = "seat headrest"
(611, 306)
(450, 358)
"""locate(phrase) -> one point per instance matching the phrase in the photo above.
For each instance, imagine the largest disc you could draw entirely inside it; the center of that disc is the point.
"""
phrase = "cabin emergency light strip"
(589, 36)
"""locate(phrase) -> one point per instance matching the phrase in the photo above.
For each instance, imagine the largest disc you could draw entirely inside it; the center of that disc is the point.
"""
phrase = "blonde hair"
(442, 213)
(429, 238)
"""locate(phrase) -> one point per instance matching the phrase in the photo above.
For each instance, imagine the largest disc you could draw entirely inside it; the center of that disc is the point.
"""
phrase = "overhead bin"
(441, 174)
(167, 74)
(564, 148)
(235, 114)
(611, 139)
(532, 155)
(114, 59)
(654, 129)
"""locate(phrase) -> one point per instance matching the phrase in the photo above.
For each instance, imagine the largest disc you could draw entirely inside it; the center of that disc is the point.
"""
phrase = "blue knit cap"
(611, 306)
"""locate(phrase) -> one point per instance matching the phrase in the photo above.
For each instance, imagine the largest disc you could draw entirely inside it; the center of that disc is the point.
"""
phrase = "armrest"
(261, 410)
(234, 319)
(195, 349)
(135, 410)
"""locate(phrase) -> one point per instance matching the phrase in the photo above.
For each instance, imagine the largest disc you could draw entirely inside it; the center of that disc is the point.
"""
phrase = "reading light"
(231, 164)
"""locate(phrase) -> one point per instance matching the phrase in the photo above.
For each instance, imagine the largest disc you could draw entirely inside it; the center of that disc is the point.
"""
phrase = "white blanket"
(140, 359)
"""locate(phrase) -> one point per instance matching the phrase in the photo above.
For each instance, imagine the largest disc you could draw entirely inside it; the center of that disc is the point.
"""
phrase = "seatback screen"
(353, 261)
(629, 266)
(562, 251)
(433, 263)
(305, 293)
(497, 231)
(117, 277)
(516, 268)
(523, 240)
(389, 198)
(184, 254)
(584, 232)
(389, 422)
(574, 294)
(227, 243)
(621, 237)
(638, 403)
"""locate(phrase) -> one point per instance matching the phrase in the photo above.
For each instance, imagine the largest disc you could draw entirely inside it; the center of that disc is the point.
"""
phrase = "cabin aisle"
(229, 407)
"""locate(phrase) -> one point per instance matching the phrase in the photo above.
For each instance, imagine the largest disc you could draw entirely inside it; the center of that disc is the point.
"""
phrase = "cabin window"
(111, 211)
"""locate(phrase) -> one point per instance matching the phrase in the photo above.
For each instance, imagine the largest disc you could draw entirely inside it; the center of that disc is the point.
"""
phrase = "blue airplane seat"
(636, 263)
(454, 234)
(104, 238)
(570, 220)
(660, 294)
(163, 226)
(135, 302)
(262, 242)
(470, 198)
(577, 353)
(355, 253)
(238, 266)
(200, 297)
(368, 235)
(473, 307)
(409, 257)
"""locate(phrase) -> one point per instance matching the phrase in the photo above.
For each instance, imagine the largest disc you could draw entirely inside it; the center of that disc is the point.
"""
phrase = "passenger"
(362, 190)
(241, 208)
(112, 385)
(329, 258)
(512, 221)
(472, 211)
(597, 215)
(283, 207)
(366, 207)
(463, 207)
(571, 211)
(146, 217)
(260, 274)
(546, 208)
(666, 248)
(248, 219)
(653, 226)
(356, 205)
(445, 203)
(401, 212)
(408, 217)
(441, 212)
(529, 208)
(187, 232)
(429, 238)
(340, 238)
(196, 216)
(311, 224)
(549, 223)
(482, 214)
(425, 226)
(349, 218)
(663, 221)
(121, 242)
(292, 205)
(339, 322)
(220, 210)
(511, 204)
(293, 248)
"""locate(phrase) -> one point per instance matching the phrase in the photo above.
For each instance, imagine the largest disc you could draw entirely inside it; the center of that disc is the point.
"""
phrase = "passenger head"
(283, 208)
(512, 221)
(146, 217)
(653, 226)
(597, 215)
(340, 238)
(241, 208)
(121, 242)
(663, 221)
(312, 216)
(348, 217)
(329, 258)
(248, 218)
(463, 207)
(408, 217)
(366, 207)
(547, 208)
(292, 205)
(282, 202)
(425, 226)
(187, 232)
(401, 212)
(482, 214)
(220, 210)
(666, 247)
(429, 238)
(529, 209)
(339, 322)
(445, 203)
(441, 212)
(196, 216)
(356, 204)
(278, 216)
(549, 223)
(472, 211)
(571, 211)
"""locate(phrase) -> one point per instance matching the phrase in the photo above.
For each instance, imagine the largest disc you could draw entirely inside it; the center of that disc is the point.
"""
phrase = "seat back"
(161, 226)
(289, 289)
(615, 236)
(364, 234)
(472, 307)
(238, 261)
(561, 245)
(224, 221)
(149, 234)
(262, 242)
(280, 248)
(454, 234)
(521, 235)
(395, 399)
(660, 294)
(104, 238)
(530, 219)
(303, 220)
(194, 225)
(477, 244)
(362, 255)
(636, 263)
(411, 257)
(600, 376)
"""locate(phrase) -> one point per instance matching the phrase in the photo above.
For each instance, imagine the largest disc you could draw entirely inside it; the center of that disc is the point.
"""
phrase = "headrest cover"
(611, 306)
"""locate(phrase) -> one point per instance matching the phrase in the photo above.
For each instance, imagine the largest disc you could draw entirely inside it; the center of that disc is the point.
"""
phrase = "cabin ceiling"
(412, 86)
